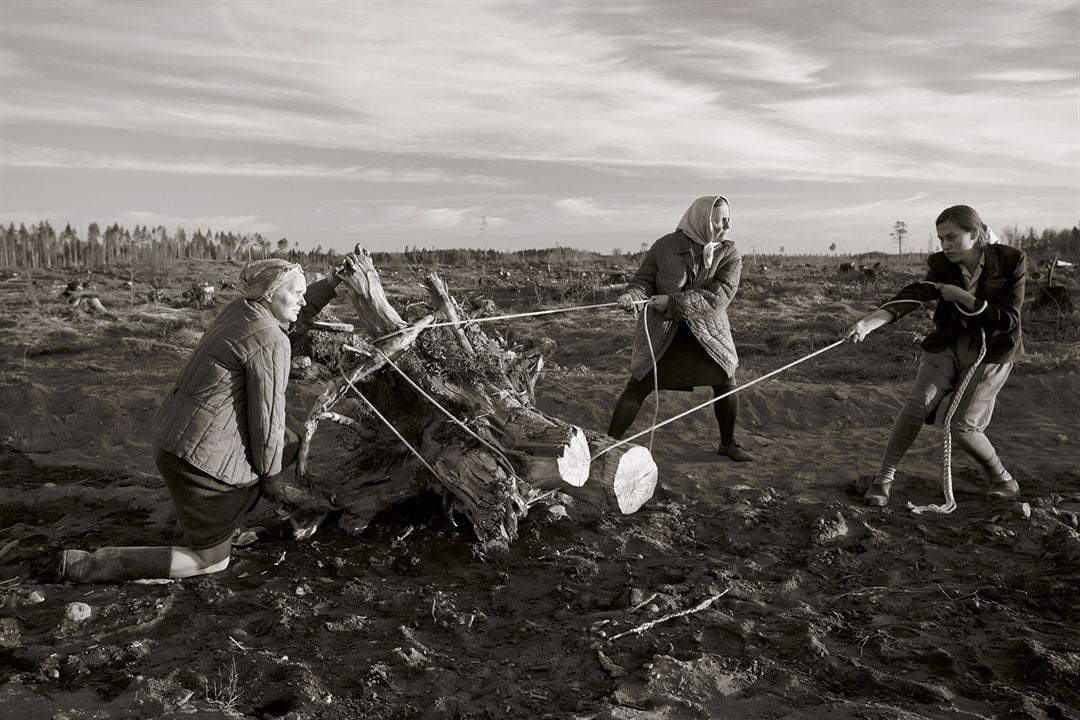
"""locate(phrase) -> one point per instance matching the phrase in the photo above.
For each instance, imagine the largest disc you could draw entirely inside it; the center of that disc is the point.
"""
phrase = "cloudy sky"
(583, 124)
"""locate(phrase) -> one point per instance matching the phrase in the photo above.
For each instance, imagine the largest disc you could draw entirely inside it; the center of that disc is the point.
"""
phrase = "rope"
(508, 317)
(392, 428)
(719, 397)
(444, 411)
(655, 376)
(946, 454)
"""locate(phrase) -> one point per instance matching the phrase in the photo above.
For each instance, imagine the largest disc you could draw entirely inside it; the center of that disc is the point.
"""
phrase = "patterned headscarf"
(263, 277)
(698, 225)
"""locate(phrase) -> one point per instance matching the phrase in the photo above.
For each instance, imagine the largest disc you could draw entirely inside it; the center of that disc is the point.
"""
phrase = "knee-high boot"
(115, 564)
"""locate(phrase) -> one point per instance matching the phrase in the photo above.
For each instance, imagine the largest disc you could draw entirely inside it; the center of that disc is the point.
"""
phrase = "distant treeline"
(464, 257)
(40, 246)
(1049, 242)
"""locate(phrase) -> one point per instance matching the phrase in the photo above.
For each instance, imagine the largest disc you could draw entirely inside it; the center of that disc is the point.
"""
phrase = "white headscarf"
(262, 278)
(697, 224)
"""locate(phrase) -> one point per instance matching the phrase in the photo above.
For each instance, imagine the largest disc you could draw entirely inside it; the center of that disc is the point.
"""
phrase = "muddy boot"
(115, 564)
(735, 452)
(1003, 488)
(877, 495)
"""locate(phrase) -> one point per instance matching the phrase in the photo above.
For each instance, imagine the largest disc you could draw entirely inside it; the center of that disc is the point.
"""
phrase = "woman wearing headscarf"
(221, 427)
(689, 277)
(979, 288)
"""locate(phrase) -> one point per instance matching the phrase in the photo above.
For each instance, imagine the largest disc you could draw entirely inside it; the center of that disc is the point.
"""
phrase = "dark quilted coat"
(699, 296)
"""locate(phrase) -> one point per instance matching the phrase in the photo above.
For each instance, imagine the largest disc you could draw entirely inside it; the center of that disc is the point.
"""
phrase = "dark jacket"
(226, 414)
(699, 297)
(1000, 289)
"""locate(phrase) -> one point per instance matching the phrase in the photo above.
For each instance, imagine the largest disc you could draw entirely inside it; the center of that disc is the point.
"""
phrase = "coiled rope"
(946, 445)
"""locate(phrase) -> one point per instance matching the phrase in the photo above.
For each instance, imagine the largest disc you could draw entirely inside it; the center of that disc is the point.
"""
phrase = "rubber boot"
(115, 564)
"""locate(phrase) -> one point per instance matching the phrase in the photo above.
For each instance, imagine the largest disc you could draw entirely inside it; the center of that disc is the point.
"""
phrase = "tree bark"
(447, 409)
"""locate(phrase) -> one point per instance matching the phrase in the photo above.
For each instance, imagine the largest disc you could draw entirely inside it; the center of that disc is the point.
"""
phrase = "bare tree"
(899, 232)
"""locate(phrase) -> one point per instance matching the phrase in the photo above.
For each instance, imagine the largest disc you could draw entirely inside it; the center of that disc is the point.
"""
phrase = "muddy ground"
(821, 608)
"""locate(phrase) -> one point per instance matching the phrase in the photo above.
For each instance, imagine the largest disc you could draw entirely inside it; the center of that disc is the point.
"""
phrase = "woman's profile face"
(721, 220)
(288, 299)
(956, 242)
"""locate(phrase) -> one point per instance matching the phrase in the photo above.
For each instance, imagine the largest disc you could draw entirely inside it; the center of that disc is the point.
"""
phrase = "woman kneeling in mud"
(221, 429)
(979, 287)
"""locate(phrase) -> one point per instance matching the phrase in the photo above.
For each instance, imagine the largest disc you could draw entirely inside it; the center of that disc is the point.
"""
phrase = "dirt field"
(826, 609)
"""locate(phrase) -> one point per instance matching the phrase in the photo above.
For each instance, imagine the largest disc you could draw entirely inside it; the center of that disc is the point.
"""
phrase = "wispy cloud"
(864, 208)
(233, 223)
(42, 157)
(429, 218)
(1033, 75)
(583, 208)
(532, 111)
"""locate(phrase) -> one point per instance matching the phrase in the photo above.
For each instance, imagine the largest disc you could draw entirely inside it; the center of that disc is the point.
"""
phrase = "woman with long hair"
(979, 288)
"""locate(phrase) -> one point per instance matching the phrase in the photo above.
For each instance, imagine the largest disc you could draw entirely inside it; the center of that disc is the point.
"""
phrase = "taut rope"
(444, 411)
(511, 316)
(655, 376)
(718, 397)
(391, 426)
(946, 449)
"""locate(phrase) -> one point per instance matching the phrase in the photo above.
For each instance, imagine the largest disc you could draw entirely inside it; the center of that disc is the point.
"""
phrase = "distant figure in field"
(689, 278)
(221, 428)
(979, 286)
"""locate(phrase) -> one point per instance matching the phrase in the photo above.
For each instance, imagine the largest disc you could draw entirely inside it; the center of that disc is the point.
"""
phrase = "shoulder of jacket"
(1007, 253)
(255, 332)
(672, 239)
(937, 260)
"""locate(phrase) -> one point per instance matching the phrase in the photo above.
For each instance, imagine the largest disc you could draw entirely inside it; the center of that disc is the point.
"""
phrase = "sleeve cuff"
(973, 314)
(897, 302)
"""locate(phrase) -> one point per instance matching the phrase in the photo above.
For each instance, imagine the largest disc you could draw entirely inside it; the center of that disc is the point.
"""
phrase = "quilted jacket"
(226, 413)
(699, 297)
(1000, 290)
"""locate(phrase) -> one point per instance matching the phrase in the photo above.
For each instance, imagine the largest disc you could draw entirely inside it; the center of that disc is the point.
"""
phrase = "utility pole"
(483, 233)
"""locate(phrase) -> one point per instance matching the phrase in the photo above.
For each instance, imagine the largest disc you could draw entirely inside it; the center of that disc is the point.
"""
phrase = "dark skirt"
(685, 365)
(207, 509)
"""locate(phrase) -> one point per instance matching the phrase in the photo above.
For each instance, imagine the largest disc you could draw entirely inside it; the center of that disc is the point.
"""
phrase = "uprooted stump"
(376, 437)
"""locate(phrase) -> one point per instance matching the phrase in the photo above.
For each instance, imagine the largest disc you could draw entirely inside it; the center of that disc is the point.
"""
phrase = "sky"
(510, 125)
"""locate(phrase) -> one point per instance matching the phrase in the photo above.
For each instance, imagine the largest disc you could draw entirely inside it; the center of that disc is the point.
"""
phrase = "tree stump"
(446, 409)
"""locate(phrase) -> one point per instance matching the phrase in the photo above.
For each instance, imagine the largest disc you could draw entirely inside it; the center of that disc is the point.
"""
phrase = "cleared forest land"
(826, 608)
